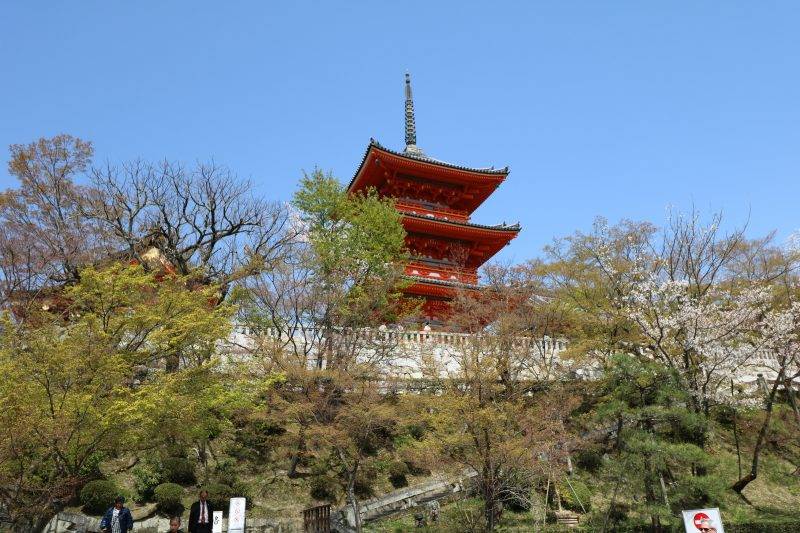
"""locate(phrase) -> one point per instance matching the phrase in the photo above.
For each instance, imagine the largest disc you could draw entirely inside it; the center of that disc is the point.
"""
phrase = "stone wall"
(76, 522)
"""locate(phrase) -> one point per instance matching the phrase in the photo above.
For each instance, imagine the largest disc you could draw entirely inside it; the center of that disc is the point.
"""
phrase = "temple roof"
(490, 172)
(442, 282)
(381, 167)
(514, 228)
(437, 288)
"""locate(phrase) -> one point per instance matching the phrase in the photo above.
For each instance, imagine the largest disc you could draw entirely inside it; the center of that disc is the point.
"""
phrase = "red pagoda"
(436, 200)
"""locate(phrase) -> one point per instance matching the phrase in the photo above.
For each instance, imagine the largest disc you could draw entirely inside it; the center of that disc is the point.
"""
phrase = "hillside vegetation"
(163, 329)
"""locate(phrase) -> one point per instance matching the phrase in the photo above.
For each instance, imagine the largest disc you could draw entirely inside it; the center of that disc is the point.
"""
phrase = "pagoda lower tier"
(445, 257)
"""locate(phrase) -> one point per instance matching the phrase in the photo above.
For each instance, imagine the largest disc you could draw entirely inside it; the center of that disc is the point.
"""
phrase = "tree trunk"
(736, 435)
(489, 503)
(792, 399)
(762, 436)
(292, 473)
(353, 501)
(650, 494)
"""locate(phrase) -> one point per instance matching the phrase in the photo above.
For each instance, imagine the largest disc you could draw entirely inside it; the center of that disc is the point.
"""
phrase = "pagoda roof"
(422, 157)
(441, 282)
(431, 287)
(488, 239)
(502, 228)
(378, 161)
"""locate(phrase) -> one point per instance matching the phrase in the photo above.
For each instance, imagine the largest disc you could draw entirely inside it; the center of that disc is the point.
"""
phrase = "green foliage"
(220, 494)
(323, 488)
(147, 475)
(589, 459)
(656, 441)
(243, 490)
(576, 495)
(364, 485)
(168, 496)
(91, 466)
(97, 496)
(357, 244)
(398, 471)
(179, 470)
(225, 471)
(695, 492)
(117, 320)
(765, 525)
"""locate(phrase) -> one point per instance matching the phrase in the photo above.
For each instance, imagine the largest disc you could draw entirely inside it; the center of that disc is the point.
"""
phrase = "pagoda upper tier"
(422, 184)
(436, 200)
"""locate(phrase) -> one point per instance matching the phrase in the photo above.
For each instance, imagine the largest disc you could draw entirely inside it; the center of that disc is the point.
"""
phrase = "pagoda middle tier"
(436, 200)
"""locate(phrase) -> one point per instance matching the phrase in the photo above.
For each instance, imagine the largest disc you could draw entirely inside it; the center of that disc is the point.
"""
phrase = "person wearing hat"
(118, 518)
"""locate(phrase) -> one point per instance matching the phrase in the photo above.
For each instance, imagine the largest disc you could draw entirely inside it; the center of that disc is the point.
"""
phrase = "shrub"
(97, 496)
(780, 525)
(398, 471)
(91, 467)
(697, 492)
(417, 431)
(589, 459)
(242, 489)
(323, 488)
(465, 516)
(168, 497)
(220, 494)
(225, 471)
(364, 486)
(416, 469)
(574, 493)
(147, 475)
(179, 470)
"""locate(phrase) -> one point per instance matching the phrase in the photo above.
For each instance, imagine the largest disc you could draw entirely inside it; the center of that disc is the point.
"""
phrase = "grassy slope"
(775, 493)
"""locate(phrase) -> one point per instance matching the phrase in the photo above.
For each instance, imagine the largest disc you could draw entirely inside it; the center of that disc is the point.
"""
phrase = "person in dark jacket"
(201, 515)
(118, 518)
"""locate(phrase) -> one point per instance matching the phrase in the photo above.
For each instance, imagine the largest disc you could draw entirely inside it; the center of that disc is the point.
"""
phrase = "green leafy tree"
(76, 382)
(340, 283)
(655, 449)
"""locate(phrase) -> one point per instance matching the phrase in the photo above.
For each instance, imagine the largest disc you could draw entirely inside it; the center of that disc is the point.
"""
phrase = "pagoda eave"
(380, 166)
(437, 289)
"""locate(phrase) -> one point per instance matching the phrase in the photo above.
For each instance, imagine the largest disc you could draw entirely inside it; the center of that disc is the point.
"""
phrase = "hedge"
(168, 496)
(219, 494)
(97, 496)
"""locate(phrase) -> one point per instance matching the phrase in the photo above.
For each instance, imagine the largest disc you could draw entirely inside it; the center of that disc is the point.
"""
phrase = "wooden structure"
(317, 519)
(436, 200)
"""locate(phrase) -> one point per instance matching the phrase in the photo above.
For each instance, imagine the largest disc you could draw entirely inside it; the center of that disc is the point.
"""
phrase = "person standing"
(118, 518)
(201, 514)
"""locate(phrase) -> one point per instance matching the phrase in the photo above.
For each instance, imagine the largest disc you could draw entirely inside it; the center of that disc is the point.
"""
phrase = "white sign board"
(217, 522)
(703, 521)
(236, 515)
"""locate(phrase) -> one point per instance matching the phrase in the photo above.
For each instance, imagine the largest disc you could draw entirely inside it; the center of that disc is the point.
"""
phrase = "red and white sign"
(703, 521)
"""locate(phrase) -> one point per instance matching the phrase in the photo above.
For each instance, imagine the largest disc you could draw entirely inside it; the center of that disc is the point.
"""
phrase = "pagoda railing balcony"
(443, 213)
(442, 273)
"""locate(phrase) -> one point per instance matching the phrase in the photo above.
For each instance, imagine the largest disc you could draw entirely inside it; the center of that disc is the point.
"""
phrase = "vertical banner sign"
(217, 522)
(703, 521)
(236, 515)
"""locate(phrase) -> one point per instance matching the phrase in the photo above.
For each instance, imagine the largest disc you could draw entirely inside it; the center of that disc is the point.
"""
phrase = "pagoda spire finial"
(411, 127)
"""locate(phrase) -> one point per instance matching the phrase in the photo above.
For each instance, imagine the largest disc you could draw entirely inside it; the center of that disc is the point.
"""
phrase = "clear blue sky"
(617, 109)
